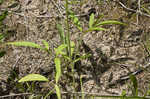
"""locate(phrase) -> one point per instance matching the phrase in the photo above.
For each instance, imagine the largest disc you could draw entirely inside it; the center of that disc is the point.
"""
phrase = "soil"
(115, 53)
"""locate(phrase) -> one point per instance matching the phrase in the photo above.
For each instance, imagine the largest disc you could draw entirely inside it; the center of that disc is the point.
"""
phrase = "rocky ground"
(115, 53)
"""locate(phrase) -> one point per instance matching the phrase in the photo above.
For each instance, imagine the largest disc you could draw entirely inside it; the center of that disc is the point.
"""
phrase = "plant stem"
(69, 44)
(68, 30)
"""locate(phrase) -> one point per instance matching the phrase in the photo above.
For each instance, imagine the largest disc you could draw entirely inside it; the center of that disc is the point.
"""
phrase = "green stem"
(68, 30)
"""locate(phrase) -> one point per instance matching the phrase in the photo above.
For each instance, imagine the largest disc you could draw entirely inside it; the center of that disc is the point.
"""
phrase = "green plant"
(66, 50)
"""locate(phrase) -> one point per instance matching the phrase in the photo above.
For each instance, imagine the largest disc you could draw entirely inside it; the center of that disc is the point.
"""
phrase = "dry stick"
(74, 93)
(124, 78)
(17, 61)
(13, 95)
(132, 10)
(138, 12)
(26, 23)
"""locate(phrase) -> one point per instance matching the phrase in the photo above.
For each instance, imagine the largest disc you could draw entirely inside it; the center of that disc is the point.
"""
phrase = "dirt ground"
(115, 53)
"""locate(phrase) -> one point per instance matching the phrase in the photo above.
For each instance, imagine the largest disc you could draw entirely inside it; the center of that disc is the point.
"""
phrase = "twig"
(126, 77)
(132, 10)
(17, 61)
(13, 95)
(136, 72)
(41, 16)
(138, 11)
(79, 94)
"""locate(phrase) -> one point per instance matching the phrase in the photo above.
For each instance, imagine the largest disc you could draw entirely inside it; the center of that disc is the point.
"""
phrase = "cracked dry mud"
(113, 51)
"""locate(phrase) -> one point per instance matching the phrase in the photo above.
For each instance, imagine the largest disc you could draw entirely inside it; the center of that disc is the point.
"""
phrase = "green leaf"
(82, 57)
(72, 47)
(110, 22)
(91, 21)
(96, 29)
(80, 28)
(59, 50)
(25, 44)
(2, 53)
(135, 84)
(58, 93)
(3, 15)
(123, 93)
(98, 19)
(33, 77)
(58, 69)
(46, 44)
(76, 21)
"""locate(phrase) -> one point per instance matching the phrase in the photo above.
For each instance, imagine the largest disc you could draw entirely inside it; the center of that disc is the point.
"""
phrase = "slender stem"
(69, 43)
(68, 30)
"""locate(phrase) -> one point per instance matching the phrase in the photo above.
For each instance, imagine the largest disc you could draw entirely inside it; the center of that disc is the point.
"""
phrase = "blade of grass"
(91, 21)
(50, 92)
(46, 44)
(135, 84)
(59, 50)
(58, 69)
(58, 92)
(98, 19)
(110, 22)
(25, 44)
(33, 77)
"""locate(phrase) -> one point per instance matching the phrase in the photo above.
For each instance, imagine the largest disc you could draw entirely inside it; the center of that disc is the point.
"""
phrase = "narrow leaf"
(46, 45)
(76, 21)
(123, 93)
(25, 44)
(110, 22)
(58, 92)
(82, 57)
(80, 28)
(72, 47)
(91, 21)
(33, 77)
(58, 69)
(98, 19)
(60, 49)
(135, 84)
